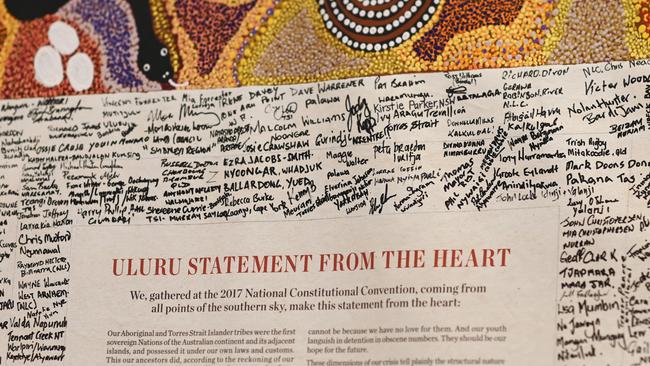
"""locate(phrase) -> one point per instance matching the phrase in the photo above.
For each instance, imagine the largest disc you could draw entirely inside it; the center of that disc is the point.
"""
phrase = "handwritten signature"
(360, 113)
(453, 90)
(377, 208)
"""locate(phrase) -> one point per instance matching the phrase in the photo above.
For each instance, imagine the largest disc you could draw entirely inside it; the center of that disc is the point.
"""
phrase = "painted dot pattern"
(371, 26)
(21, 80)
(210, 26)
(110, 23)
(98, 46)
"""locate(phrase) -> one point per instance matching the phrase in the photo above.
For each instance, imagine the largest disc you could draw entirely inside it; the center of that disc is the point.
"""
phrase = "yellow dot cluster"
(557, 27)
(521, 43)
(163, 30)
(643, 19)
(10, 26)
(638, 42)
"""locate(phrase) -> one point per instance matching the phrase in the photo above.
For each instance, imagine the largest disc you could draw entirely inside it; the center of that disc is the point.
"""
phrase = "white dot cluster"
(48, 63)
(352, 26)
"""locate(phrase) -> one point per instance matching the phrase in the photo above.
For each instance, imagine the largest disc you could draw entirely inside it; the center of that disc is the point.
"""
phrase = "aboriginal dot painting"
(57, 47)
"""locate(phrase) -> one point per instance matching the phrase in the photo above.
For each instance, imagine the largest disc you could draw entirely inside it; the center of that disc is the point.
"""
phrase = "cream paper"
(492, 217)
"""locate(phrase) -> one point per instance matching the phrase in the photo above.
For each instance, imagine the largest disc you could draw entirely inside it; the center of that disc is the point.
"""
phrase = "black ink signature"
(361, 113)
(451, 91)
(283, 112)
(187, 111)
(383, 199)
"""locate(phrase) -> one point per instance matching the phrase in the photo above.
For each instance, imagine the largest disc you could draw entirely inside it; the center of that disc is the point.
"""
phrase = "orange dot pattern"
(223, 43)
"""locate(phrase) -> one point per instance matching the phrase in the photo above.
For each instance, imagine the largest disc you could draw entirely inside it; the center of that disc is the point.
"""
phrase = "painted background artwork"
(60, 47)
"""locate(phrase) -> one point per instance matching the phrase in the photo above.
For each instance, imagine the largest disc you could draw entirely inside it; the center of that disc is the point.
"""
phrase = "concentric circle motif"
(375, 25)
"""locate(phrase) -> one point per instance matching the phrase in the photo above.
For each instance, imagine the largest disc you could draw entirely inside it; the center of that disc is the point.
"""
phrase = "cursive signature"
(383, 199)
(360, 113)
